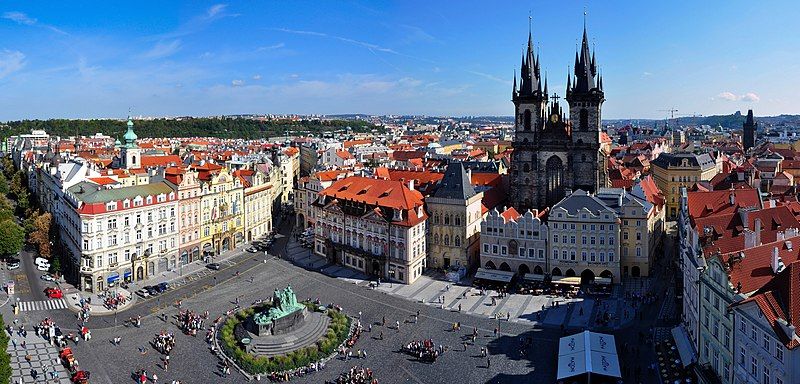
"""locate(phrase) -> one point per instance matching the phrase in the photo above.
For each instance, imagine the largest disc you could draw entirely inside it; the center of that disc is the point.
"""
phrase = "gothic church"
(554, 155)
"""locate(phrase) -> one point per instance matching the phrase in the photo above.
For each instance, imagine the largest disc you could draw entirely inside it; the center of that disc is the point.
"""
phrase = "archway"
(140, 273)
(587, 276)
(376, 268)
(607, 274)
(556, 272)
(490, 265)
(184, 257)
(635, 272)
(226, 244)
(537, 270)
(505, 267)
(523, 269)
(570, 273)
(301, 221)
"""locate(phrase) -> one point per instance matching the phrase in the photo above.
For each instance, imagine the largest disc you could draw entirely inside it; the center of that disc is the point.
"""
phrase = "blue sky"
(89, 59)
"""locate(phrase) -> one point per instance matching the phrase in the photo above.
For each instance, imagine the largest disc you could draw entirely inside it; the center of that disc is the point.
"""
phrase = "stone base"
(314, 326)
(280, 326)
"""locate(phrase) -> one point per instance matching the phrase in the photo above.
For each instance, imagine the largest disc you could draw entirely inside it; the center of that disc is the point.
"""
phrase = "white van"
(42, 264)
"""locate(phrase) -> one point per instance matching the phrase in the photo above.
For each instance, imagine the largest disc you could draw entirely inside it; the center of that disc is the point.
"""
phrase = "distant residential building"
(672, 171)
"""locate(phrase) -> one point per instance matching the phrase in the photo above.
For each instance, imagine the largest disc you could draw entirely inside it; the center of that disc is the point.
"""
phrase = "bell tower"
(585, 97)
(130, 153)
(530, 102)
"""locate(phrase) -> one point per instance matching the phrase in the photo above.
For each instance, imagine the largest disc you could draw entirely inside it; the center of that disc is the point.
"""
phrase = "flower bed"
(338, 331)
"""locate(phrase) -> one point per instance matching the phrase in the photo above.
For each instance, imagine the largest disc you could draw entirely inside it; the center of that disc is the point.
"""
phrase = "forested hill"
(187, 127)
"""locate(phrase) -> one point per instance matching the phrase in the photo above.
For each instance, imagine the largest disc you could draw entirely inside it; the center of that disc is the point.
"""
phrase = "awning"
(685, 349)
(571, 280)
(533, 277)
(127, 274)
(113, 278)
(494, 275)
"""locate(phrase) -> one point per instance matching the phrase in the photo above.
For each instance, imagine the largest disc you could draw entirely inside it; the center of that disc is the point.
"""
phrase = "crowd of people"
(164, 342)
(280, 377)
(190, 322)
(424, 350)
(114, 300)
(356, 375)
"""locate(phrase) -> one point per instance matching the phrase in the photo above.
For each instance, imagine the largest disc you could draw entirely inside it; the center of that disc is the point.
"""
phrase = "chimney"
(749, 238)
(757, 230)
(733, 198)
(411, 184)
(777, 263)
(743, 215)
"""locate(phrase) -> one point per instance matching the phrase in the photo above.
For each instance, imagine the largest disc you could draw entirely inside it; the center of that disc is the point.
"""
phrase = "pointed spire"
(569, 82)
(514, 91)
(545, 86)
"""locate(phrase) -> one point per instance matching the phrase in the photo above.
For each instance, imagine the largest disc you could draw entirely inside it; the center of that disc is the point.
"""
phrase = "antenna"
(585, 12)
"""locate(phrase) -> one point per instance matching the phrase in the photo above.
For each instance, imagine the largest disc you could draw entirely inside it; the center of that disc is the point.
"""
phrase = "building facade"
(373, 225)
(514, 242)
(127, 233)
(584, 238)
(455, 225)
(749, 128)
(672, 171)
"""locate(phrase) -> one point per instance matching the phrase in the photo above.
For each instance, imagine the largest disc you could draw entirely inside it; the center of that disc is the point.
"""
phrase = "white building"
(514, 242)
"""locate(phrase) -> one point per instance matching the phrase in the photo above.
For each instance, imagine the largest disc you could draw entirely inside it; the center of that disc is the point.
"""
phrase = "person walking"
(488, 363)
(397, 325)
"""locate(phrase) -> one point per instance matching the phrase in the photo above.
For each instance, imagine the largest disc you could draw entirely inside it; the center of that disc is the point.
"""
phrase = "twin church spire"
(584, 80)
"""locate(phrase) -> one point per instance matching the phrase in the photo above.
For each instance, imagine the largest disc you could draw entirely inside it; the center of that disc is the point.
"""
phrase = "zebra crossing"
(42, 305)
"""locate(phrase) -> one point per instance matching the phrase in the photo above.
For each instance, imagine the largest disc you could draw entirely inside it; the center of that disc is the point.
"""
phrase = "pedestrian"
(155, 378)
(465, 346)
(381, 336)
(459, 307)
(369, 328)
(383, 322)
(359, 314)
(495, 331)
(397, 325)
(488, 363)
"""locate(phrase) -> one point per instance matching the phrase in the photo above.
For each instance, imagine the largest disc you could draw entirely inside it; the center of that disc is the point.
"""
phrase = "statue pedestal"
(281, 325)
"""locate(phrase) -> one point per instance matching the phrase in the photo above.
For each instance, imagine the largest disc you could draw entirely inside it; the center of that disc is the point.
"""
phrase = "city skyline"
(396, 58)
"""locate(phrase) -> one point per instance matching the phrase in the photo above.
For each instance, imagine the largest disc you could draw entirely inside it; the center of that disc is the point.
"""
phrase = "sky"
(172, 58)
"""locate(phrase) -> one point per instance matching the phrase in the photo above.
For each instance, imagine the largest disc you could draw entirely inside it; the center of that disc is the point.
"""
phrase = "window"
(602, 257)
(592, 258)
(624, 235)
(583, 255)
(602, 240)
(753, 332)
(583, 240)
(572, 255)
(85, 245)
(766, 374)
(111, 206)
(593, 227)
(743, 326)
(742, 354)
(611, 240)
(638, 236)
(127, 221)
(726, 340)
(779, 351)
(555, 238)
(572, 239)
(485, 246)
(706, 349)
(592, 240)
(555, 254)
(564, 255)
(766, 341)
(638, 252)
(503, 250)
(753, 366)
(726, 369)
(611, 256)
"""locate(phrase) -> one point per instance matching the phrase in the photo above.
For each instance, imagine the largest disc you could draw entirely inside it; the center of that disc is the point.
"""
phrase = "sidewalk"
(176, 278)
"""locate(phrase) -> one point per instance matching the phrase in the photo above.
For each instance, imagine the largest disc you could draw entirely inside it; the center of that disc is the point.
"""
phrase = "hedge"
(338, 331)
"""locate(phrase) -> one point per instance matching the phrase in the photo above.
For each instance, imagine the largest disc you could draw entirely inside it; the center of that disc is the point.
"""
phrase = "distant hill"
(186, 127)
(732, 121)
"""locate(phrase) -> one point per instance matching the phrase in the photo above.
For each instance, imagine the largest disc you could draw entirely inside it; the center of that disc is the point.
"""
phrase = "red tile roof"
(160, 160)
(378, 192)
(701, 204)
(510, 214)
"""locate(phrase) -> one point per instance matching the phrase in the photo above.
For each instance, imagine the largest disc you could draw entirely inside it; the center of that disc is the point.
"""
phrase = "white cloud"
(10, 62)
(730, 96)
(647, 74)
(237, 83)
(216, 9)
(163, 49)
(23, 19)
(750, 96)
(19, 18)
(490, 77)
(256, 77)
(271, 47)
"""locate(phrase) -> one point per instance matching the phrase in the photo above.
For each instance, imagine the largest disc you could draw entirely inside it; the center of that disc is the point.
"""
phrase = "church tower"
(749, 128)
(130, 153)
(529, 108)
(585, 97)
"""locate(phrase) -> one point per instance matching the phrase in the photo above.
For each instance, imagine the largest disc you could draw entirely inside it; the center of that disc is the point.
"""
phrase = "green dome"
(130, 136)
(117, 143)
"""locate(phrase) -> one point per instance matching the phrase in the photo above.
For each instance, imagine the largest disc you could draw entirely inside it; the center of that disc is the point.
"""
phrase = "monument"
(282, 316)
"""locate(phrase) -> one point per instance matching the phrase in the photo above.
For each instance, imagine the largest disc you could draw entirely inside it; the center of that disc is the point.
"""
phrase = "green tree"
(5, 359)
(3, 185)
(11, 237)
(41, 233)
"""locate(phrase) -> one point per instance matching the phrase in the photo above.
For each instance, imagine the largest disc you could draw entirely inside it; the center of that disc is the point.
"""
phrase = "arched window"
(457, 220)
(446, 219)
(526, 167)
(527, 120)
(436, 238)
(554, 173)
(446, 240)
(436, 218)
(584, 120)
(457, 241)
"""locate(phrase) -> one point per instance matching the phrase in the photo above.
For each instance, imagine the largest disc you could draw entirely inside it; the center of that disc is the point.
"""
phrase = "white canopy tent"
(587, 354)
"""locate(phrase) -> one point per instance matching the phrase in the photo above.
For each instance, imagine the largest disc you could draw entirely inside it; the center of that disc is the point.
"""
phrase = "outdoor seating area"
(669, 363)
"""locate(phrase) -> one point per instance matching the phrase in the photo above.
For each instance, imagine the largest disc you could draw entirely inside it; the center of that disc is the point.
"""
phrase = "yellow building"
(222, 207)
(672, 171)
(257, 202)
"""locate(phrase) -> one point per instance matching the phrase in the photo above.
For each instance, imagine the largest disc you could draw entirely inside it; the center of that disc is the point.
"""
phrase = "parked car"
(48, 277)
(144, 293)
(12, 263)
(53, 293)
(163, 286)
(151, 289)
(251, 250)
(42, 264)
(214, 266)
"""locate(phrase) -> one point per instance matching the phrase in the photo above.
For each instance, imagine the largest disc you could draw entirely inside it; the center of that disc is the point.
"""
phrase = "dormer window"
(149, 200)
(398, 214)
(111, 206)
(126, 204)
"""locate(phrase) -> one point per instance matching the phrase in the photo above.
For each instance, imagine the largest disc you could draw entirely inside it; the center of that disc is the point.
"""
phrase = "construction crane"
(671, 112)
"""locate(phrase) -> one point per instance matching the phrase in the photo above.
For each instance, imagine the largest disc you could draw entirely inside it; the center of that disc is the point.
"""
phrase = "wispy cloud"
(360, 43)
(730, 96)
(490, 77)
(414, 34)
(647, 74)
(271, 47)
(256, 77)
(197, 23)
(237, 83)
(10, 62)
(22, 18)
(163, 49)
(215, 10)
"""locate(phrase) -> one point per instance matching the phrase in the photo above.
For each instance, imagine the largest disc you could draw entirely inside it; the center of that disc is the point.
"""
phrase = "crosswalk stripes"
(43, 305)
